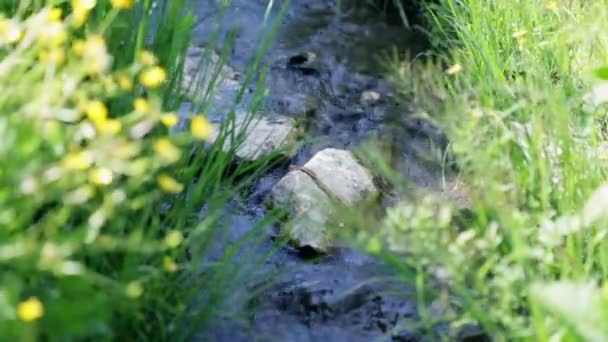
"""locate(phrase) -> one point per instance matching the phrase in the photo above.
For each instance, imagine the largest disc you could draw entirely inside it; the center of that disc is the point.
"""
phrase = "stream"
(320, 65)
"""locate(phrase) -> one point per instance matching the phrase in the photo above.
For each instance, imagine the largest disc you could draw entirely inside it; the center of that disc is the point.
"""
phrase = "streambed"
(320, 68)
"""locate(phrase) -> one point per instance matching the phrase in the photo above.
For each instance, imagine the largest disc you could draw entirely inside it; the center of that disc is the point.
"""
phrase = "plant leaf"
(602, 73)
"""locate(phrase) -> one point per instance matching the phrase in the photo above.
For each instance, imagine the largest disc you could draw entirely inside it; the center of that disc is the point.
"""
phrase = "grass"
(99, 193)
(103, 237)
(508, 83)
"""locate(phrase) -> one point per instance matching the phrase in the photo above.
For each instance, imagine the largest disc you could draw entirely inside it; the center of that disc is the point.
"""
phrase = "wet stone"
(332, 175)
(200, 68)
(263, 135)
(370, 97)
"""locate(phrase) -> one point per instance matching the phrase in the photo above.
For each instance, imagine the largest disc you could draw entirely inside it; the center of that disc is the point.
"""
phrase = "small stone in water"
(370, 96)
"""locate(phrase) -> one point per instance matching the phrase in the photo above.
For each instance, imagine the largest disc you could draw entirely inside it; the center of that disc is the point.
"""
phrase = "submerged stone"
(332, 175)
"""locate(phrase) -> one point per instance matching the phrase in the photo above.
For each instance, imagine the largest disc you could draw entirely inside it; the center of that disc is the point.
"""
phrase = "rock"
(310, 210)
(198, 74)
(339, 176)
(342, 175)
(263, 135)
(370, 97)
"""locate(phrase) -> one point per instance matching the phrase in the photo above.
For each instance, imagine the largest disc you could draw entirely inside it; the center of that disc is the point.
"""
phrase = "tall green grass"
(510, 89)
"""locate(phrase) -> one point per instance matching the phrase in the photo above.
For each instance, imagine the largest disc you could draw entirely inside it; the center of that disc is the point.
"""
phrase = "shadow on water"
(319, 69)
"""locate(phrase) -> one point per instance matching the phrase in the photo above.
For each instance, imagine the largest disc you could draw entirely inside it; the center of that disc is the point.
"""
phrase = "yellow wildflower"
(96, 111)
(169, 265)
(78, 160)
(170, 185)
(134, 289)
(122, 4)
(110, 127)
(147, 58)
(169, 120)
(125, 82)
(153, 77)
(166, 150)
(82, 9)
(55, 14)
(80, 16)
(84, 4)
(454, 69)
(30, 310)
(174, 239)
(200, 127)
(141, 105)
(101, 176)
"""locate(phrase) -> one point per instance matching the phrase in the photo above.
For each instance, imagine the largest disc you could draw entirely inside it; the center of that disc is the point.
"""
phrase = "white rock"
(264, 134)
(310, 208)
(370, 96)
(310, 205)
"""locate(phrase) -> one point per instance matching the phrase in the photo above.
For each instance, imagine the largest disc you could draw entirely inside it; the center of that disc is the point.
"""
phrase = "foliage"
(98, 188)
(516, 95)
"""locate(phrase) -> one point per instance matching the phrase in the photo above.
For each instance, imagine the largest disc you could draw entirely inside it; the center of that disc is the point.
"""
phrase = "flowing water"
(319, 66)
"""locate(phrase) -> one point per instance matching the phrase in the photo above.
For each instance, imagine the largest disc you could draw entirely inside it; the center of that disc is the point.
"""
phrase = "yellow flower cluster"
(104, 148)
(103, 135)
